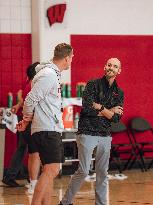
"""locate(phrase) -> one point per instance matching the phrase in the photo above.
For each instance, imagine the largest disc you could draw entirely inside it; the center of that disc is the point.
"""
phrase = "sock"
(33, 182)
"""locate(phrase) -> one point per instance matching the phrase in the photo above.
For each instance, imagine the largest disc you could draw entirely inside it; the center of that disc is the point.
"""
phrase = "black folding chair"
(142, 133)
(122, 147)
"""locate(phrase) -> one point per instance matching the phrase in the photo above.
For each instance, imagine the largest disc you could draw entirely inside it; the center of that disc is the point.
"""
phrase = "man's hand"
(117, 110)
(97, 106)
(21, 126)
(15, 108)
(110, 112)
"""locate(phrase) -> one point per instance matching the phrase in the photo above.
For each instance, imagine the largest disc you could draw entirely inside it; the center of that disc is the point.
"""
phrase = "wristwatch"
(102, 108)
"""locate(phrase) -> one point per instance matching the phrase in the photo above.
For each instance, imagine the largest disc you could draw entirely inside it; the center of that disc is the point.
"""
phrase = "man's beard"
(110, 76)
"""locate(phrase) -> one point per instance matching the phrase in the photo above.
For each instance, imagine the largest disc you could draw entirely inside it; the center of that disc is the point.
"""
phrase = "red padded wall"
(136, 55)
(15, 56)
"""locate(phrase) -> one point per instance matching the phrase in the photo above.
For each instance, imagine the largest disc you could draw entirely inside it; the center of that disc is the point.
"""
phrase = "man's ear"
(119, 71)
(67, 58)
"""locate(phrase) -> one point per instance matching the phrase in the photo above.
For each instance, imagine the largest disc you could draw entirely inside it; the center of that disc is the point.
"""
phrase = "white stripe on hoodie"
(43, 103)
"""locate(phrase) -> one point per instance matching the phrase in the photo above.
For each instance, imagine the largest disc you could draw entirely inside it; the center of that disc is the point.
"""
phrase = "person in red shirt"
(24, 141)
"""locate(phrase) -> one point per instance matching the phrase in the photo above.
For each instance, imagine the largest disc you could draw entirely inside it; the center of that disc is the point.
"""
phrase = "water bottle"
(78, 94)
(63, 90)
(68, 90)
(76, 120)
(10, 100)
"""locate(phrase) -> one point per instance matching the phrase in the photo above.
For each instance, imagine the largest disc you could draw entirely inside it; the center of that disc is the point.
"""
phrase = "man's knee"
(103, 171)
(51, 170)
(34, 156)
(82, 172)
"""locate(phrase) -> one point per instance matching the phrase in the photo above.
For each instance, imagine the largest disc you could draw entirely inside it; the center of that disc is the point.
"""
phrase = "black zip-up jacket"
(100, 92)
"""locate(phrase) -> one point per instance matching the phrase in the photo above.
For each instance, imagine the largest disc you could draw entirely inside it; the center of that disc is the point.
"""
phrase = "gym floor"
(136, 189)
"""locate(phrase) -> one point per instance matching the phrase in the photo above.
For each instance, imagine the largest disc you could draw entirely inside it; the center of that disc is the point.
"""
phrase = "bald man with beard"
(102, 103)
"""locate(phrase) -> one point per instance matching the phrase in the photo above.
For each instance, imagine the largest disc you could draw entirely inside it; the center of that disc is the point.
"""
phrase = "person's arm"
(118, 114)
(16, 107)
(114, 114)
(89, 97)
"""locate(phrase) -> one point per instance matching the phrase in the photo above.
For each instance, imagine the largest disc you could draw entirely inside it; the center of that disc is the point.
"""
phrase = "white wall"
(102, 17)
(15, 16)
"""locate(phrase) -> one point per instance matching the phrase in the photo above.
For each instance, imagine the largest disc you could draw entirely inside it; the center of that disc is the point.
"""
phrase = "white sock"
(33, 182)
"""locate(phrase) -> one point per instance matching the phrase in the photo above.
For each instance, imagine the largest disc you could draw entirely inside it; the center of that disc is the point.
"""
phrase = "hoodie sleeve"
(40, 89)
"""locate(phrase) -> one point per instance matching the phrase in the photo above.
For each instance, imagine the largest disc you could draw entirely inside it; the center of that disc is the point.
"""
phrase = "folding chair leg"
(150, 165)
(127, 163)
(118, 164)
(140, 165)
(141, 159)
(132, 163)
(143, 163)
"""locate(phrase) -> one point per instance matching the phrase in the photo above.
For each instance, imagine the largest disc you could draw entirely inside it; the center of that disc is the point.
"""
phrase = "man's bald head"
(115, 61)
(112, 68)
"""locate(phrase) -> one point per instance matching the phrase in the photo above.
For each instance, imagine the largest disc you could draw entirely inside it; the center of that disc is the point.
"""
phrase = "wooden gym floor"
(136, 189)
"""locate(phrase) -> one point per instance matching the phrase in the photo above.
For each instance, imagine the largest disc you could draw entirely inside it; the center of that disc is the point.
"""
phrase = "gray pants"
(86, 145)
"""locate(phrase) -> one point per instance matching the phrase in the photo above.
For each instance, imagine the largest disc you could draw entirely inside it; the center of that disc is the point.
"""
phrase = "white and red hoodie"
(42, 105)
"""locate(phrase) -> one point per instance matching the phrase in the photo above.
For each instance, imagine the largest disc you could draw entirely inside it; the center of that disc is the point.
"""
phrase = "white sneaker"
(91, 178)
(32, 186)
(120, 176)
(31, 189)
(27, 185)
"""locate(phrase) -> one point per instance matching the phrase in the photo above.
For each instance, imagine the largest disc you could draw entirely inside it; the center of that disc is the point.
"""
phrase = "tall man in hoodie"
(102, 103)
(42, 106)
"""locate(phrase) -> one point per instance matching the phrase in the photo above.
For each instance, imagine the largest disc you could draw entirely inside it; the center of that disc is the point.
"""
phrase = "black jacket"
(99, 91)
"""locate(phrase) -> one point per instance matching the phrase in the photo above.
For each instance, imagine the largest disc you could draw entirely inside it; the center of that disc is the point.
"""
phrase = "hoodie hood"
(46, 64)
(43, 69)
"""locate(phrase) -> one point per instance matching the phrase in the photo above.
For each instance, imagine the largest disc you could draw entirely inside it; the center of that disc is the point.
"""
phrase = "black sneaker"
(10, 182)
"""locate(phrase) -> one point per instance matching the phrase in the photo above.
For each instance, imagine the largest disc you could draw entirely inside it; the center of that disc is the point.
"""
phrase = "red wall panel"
(15, 56)
(5, 52)
(16, 52)
(136, 55)
(16, 65)
(6, 80)
(5, 65)
(5, 39)
(26, 41)
(16, 40)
